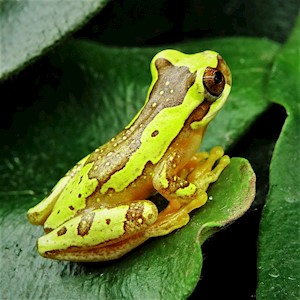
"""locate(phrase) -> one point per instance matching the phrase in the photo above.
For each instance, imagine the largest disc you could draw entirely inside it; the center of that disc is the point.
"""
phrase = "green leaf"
(279, 241)
(87, 94)
(29, 28)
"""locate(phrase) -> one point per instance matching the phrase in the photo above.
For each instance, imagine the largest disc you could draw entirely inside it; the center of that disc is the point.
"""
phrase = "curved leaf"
(29, 27)
(279, 239)
(162, 268)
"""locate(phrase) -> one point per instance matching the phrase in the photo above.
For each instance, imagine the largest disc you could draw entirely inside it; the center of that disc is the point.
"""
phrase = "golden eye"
(214, 81)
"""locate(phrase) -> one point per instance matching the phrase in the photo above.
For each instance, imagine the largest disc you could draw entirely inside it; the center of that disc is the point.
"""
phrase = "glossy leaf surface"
(279, 242)
(80, 118)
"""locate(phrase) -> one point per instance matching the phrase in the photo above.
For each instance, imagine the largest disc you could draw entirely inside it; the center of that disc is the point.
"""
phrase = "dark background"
(145, 23)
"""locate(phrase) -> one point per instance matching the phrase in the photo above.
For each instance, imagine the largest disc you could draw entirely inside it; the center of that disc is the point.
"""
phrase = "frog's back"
(152, 131)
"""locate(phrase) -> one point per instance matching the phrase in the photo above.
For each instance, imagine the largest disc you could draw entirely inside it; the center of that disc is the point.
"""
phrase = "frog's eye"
(214, 81)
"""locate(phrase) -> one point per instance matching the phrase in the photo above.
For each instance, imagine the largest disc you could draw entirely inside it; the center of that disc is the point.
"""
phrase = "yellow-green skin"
(98, 210)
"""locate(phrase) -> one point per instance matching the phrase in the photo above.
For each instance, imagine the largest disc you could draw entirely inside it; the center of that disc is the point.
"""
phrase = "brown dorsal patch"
(172, 84)
(169, 90)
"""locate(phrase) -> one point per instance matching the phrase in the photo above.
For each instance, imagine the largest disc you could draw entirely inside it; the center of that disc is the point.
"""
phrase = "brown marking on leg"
(85, 224)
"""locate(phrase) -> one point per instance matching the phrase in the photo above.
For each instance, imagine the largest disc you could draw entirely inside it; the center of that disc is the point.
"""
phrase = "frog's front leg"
(39, 213)
(186, 191)
(201, 167)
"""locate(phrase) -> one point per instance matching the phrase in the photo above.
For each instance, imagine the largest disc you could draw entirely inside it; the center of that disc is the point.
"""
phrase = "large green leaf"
(88, 93)
(279, 241)
(29, 27)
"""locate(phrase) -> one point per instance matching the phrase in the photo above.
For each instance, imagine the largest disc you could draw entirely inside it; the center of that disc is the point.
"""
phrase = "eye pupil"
(218, 77)
(214, 82)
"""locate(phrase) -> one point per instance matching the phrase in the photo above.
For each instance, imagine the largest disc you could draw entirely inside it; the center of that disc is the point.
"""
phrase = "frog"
(102, 208)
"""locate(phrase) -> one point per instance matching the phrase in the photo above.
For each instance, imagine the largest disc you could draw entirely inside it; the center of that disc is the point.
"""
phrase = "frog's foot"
(169, 220)
(204, 169)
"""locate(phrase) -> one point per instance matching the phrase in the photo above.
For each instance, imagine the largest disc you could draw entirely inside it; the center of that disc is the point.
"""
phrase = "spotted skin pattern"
(98, 211)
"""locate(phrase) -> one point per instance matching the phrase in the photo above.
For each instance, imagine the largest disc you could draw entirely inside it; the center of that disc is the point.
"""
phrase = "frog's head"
(193, 80)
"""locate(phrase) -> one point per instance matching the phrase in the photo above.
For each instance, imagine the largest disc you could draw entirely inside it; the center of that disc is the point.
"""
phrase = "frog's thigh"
(38, 214)
(101, 234)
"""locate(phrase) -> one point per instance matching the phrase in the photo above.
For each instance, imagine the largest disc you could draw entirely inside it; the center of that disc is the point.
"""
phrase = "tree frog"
(99, 210)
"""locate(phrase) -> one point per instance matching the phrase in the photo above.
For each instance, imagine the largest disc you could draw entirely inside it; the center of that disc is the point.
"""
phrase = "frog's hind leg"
(201, 171)
(39, 213)
(101, 234)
